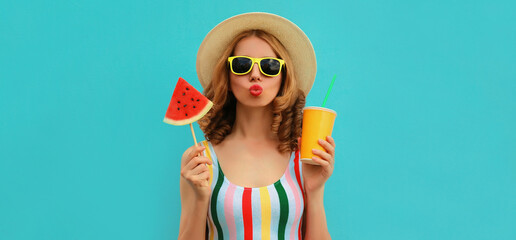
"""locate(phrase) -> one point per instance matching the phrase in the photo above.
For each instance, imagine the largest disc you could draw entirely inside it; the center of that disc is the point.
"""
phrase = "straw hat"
(291, 36)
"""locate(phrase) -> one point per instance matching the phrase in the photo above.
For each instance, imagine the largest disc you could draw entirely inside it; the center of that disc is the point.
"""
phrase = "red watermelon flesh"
(187, 105)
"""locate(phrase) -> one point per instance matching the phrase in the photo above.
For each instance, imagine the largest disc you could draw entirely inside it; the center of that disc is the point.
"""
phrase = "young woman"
(246, 180)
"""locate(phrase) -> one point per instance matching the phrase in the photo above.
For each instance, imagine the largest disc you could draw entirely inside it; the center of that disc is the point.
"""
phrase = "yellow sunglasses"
(241, 65)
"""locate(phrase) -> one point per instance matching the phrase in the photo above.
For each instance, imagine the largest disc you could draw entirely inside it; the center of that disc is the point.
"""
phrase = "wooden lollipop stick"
(193, 135)
(195, 140)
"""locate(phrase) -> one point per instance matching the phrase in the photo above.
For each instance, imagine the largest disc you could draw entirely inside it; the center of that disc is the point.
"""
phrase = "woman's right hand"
(195, 171)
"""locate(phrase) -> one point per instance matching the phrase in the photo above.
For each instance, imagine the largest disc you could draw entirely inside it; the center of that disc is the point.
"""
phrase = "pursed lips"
(256, 90)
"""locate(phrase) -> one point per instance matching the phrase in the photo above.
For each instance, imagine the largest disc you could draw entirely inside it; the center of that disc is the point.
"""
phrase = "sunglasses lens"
(241, 65)
(270, 66)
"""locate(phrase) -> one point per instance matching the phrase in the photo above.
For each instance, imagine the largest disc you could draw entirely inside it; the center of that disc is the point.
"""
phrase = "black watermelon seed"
(187, 88)
(186, 114)
(184, 93)
(192, 99)
(193, 106)
(197, 100)
(178, 101)
(177, 108)
(184, 105)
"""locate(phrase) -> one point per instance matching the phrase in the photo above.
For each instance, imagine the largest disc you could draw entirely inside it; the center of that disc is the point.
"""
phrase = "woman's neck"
(253, 123)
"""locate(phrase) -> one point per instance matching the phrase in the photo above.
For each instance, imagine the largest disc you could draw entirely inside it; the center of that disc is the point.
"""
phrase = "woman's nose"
(255, 72)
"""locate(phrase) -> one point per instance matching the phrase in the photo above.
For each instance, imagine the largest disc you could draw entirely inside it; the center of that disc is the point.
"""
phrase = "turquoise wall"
(425, 132)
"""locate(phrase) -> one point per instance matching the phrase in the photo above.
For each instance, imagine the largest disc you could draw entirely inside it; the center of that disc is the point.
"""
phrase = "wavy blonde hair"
(287, 105)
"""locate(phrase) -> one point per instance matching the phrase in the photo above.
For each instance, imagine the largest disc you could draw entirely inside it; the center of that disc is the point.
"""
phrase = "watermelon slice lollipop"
(187, 105)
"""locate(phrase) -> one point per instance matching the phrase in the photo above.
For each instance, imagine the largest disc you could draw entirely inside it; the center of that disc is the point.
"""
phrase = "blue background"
(425, 96)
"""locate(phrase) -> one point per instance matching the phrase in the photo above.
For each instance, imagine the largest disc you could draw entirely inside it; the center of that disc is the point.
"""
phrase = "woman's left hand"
(315, 176)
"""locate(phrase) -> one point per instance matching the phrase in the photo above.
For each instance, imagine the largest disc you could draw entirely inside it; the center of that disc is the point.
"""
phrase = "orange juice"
(317, 124)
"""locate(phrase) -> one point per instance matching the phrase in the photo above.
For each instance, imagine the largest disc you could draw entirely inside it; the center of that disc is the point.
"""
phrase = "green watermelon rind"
(192, 119)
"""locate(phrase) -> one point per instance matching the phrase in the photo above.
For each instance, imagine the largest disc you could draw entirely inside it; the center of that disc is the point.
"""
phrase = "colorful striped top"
(270, 212)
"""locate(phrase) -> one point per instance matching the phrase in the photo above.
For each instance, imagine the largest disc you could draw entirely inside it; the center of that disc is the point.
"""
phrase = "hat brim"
(290, 35)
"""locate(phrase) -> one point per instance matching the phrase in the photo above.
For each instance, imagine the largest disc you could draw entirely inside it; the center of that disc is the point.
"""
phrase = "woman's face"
(244, 86)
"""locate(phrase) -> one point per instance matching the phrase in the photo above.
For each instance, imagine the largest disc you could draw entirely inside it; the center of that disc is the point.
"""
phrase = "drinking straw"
(329, 90)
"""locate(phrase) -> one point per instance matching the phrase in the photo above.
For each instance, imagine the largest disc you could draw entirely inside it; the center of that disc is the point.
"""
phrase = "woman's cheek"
(275, 85)
(239, 90)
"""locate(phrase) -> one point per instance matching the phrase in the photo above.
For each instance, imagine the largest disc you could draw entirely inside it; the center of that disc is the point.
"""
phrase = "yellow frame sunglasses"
(259, 61)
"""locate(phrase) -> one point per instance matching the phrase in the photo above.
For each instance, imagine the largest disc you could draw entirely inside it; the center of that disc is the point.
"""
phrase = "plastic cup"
(317, 124)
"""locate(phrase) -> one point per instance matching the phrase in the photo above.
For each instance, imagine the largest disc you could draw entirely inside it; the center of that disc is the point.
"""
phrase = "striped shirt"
(269, 212)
